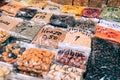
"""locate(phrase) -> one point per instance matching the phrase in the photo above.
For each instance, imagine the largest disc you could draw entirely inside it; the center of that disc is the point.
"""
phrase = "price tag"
(42, 16)
(77, 38)
(48, 35)
(36, 3)
(107, 33)
(12, 8)
(53, 8)
(7, 23)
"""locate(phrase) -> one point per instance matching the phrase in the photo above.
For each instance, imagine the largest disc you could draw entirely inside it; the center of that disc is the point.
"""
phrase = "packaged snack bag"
(12, 8)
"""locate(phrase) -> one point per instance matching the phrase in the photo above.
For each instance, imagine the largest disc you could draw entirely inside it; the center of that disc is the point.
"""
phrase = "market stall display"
(66, 40)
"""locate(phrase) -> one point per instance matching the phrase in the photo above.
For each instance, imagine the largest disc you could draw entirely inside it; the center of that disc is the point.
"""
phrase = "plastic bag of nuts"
(12, 8)
(72, 58)
(11, 52)
(64, 72)
(35, 60)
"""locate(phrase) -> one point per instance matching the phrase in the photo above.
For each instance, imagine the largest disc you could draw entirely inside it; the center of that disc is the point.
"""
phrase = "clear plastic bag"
(26, 13)
(63, 21)
(72, 57)
(91, 12)
(35, 60)
(12, 8)
(7, 23)
(103, 63)
(49, 36)
(27, 29)
(64, 72)
(111, 14)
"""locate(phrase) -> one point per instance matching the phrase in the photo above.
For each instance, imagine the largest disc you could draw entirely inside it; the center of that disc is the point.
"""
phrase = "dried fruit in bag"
(27, 29)
(91, 12)
(77, 10)
(111, 14)
(72, 58)
(85, 26)
(26, 13)
(11, 53)
(12, 8)
(103, 62)
(107, 34)
(35, 60)
(62, 21)
(49, 36)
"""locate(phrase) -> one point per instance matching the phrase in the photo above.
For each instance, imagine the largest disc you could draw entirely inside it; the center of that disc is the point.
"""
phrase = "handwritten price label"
(107, 33)
(42, 16)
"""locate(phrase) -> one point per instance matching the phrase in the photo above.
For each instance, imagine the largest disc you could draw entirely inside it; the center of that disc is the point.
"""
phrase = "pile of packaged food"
(49, 41)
